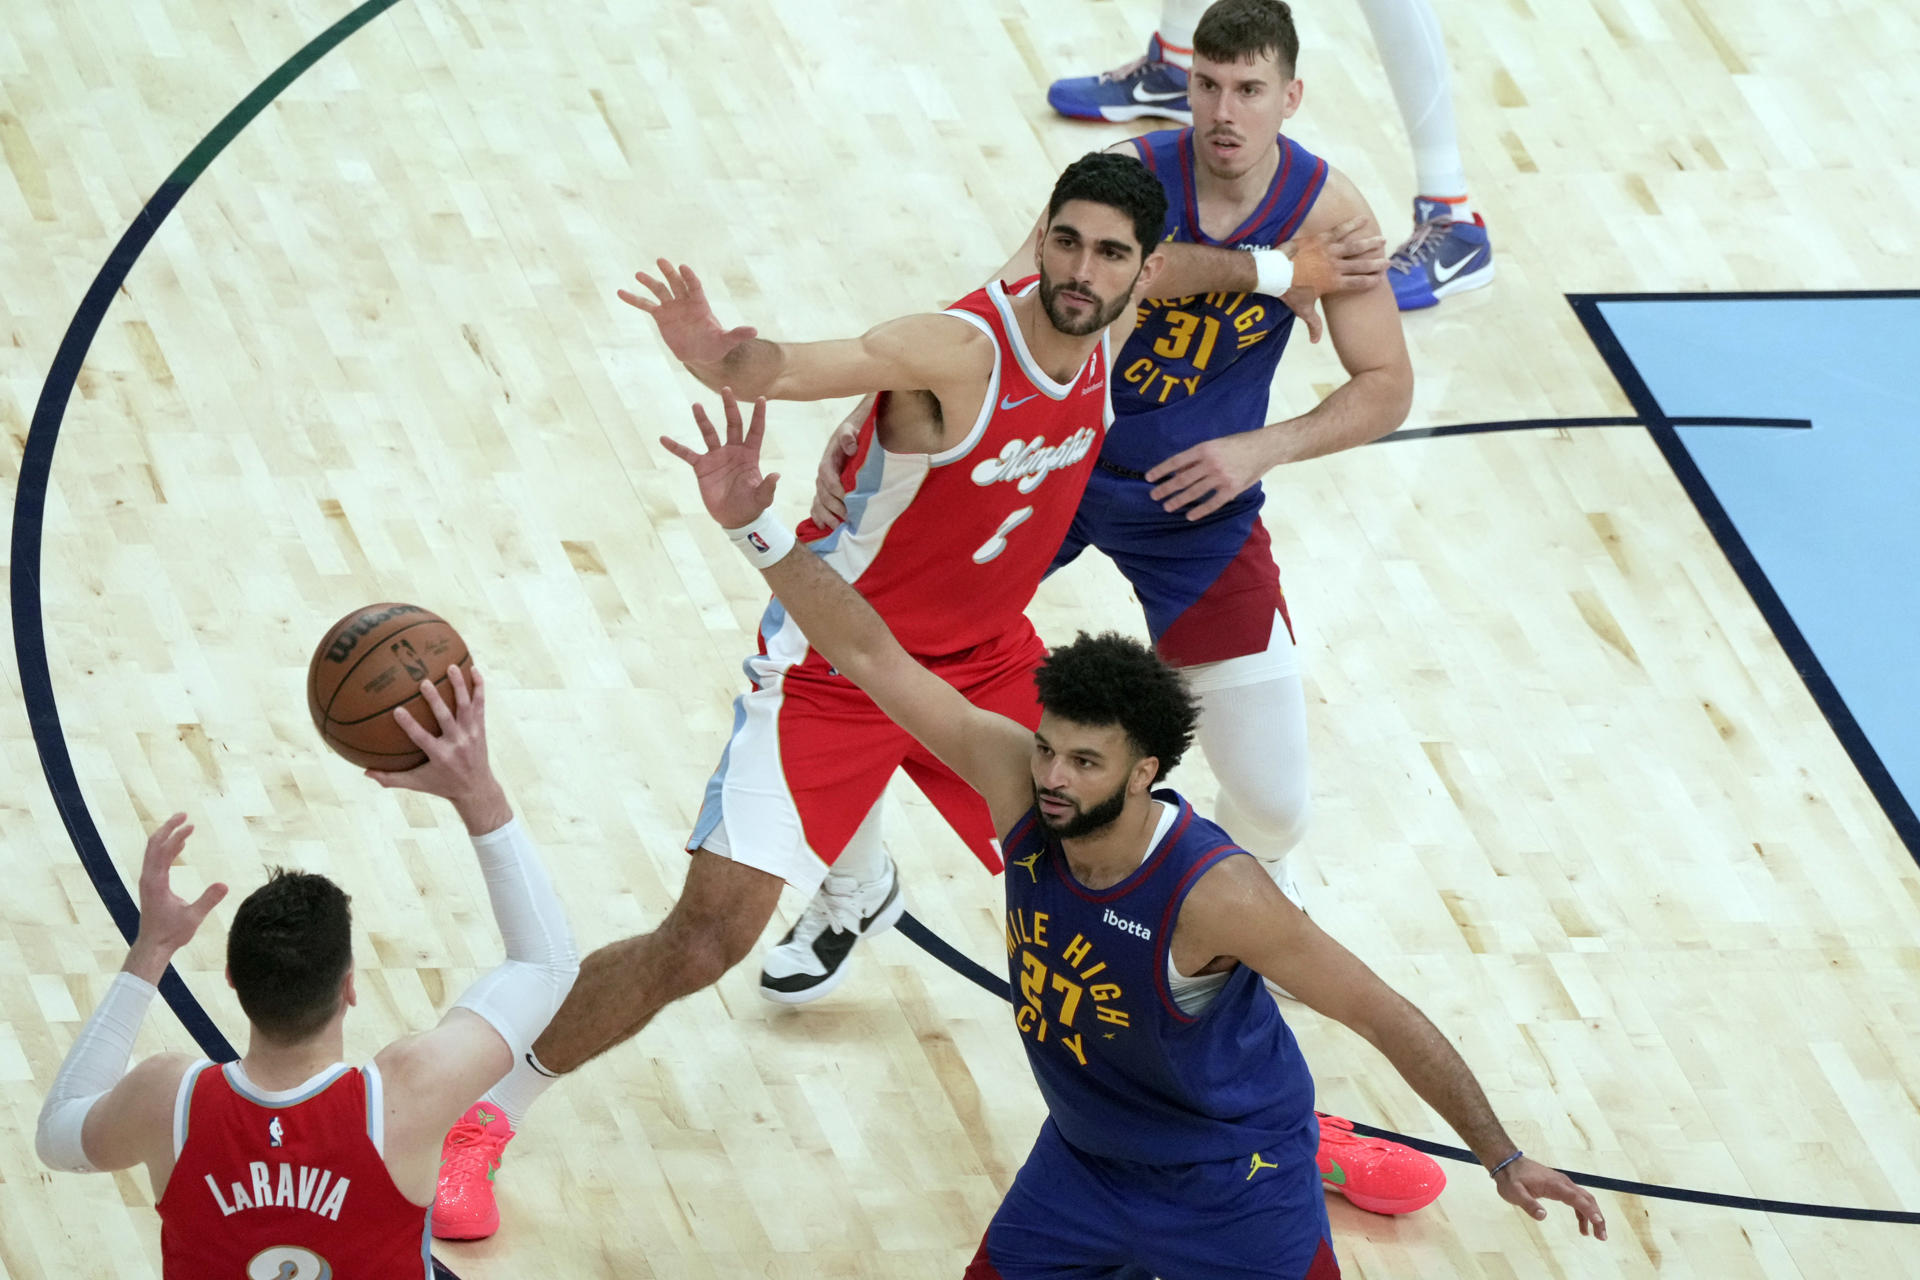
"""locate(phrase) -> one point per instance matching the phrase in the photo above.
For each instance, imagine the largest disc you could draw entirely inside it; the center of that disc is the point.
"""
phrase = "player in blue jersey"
(1180, 1136)
(1176, 499)
(1449, 251)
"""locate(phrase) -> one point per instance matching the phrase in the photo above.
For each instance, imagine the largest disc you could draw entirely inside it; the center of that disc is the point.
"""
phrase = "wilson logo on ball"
(344, 643)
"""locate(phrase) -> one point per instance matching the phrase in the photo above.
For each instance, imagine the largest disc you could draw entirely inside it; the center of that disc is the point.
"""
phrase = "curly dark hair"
(1114, 679)
(1242, 30)
(290, 945)
(1120, 182)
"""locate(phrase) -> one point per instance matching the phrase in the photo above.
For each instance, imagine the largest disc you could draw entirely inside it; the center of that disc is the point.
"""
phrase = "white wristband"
(766, 541)
(1272, 272)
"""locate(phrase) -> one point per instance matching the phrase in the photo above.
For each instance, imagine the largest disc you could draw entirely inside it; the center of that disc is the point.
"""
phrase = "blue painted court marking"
(1830, 517)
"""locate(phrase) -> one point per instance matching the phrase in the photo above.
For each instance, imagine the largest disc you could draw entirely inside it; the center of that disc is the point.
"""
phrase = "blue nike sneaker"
(1443, 256)
(1149, 86)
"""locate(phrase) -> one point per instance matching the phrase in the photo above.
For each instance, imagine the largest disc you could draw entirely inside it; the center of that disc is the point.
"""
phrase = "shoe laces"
(1127, 71)
(1422, 246)
(469, 1145)
(1337, 1131)
(836, 906)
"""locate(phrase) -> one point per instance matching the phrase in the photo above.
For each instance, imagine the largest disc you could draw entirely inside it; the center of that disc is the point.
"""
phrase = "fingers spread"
(757, 429)
(411, 727)
(442, 716)
(707, 433)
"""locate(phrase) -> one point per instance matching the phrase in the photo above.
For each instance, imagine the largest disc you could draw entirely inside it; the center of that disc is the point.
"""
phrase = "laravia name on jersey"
(1029, 463)
(1125, 925)
(308, 1189)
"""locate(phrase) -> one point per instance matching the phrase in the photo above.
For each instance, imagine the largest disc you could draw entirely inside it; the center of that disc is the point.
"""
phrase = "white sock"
(864, 860)
(1407, 34)
(1178, 18)
(521, 1087)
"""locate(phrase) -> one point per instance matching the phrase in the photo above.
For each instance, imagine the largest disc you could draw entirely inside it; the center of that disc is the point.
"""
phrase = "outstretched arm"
(929, 352)
(436, 1075)
(1235, 912)
(98, 1115)
(1320, 262)
(990, 752)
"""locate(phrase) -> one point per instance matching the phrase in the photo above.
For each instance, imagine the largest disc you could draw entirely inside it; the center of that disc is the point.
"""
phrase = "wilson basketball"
(372, 661)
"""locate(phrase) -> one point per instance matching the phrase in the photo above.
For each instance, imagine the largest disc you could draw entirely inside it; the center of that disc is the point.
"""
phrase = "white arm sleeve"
(521, 996)
(93, 1066)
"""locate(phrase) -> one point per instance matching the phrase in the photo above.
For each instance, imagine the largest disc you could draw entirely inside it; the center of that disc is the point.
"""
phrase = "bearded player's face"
(1089, 261)
(1081, 776)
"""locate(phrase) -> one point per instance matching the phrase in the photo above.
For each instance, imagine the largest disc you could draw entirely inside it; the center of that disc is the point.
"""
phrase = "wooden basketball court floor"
(1571, 796)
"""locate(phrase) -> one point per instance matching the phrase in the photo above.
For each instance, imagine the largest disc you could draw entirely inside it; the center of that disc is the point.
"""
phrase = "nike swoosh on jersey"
(1140, 94)
(1443, 272)
(1008, 402)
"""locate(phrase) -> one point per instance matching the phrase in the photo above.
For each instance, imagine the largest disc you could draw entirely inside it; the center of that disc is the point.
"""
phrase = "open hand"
(731, 485)
(1527, 1182)
(456, 766)
(679, 306)
(1211, 473)
(168, 921)
(1347, 259)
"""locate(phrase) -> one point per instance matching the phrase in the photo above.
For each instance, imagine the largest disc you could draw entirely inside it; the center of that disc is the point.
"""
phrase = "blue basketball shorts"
(1074, 1216)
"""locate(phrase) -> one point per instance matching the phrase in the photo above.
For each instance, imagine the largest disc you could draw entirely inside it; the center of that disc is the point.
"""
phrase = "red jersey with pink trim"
(949, 547)
(288, 1184)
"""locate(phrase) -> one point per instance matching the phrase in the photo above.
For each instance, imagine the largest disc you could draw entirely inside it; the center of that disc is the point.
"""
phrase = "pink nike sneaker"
(1376, 1175)
(463, 1206)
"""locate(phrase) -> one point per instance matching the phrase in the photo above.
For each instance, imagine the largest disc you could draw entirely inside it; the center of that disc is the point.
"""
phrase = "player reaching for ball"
(1176, 498)
(1180, 1134)
(288, 1161)
(968, 475)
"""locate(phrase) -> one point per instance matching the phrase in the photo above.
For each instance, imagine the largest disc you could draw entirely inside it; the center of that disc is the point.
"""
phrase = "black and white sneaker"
(812, 959)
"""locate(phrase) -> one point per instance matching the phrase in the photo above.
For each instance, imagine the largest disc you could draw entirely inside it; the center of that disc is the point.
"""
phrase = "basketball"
(372, 661)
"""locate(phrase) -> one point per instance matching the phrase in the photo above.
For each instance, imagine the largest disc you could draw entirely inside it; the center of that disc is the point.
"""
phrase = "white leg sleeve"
(521, 996)
(93, 1066)
(1253, 729)
(864, 860)
(1415, 55)
(1178, 18)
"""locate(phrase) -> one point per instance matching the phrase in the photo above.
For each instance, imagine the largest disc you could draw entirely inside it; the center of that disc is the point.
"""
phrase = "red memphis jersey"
(949, 547)
(286, 1185)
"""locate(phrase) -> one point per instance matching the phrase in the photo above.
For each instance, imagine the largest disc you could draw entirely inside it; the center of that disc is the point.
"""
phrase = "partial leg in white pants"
(1253, 729)
(1414, 53)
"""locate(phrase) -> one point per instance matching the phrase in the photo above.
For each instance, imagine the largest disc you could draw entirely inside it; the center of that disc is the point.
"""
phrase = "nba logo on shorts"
(757, 542)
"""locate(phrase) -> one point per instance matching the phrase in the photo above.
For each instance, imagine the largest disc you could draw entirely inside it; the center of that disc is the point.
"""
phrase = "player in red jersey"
(288, 1163)
(968, 476)
(963, 483)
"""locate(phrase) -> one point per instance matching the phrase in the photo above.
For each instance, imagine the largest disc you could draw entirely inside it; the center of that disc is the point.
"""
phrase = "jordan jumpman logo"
(1028, 862)
(1258, 1165)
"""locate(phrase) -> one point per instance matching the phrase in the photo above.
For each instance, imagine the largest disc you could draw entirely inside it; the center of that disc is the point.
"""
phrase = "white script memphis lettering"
(1125, 925)
(1027, 464)
(308, 1189)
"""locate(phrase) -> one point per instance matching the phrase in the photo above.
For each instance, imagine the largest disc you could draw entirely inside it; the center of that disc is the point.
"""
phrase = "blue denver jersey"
(1225, 344)
(1195, 369)
(1125, 1073)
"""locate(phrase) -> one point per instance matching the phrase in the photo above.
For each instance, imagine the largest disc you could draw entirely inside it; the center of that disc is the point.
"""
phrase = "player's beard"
(1085, 821)
(1103, 313)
